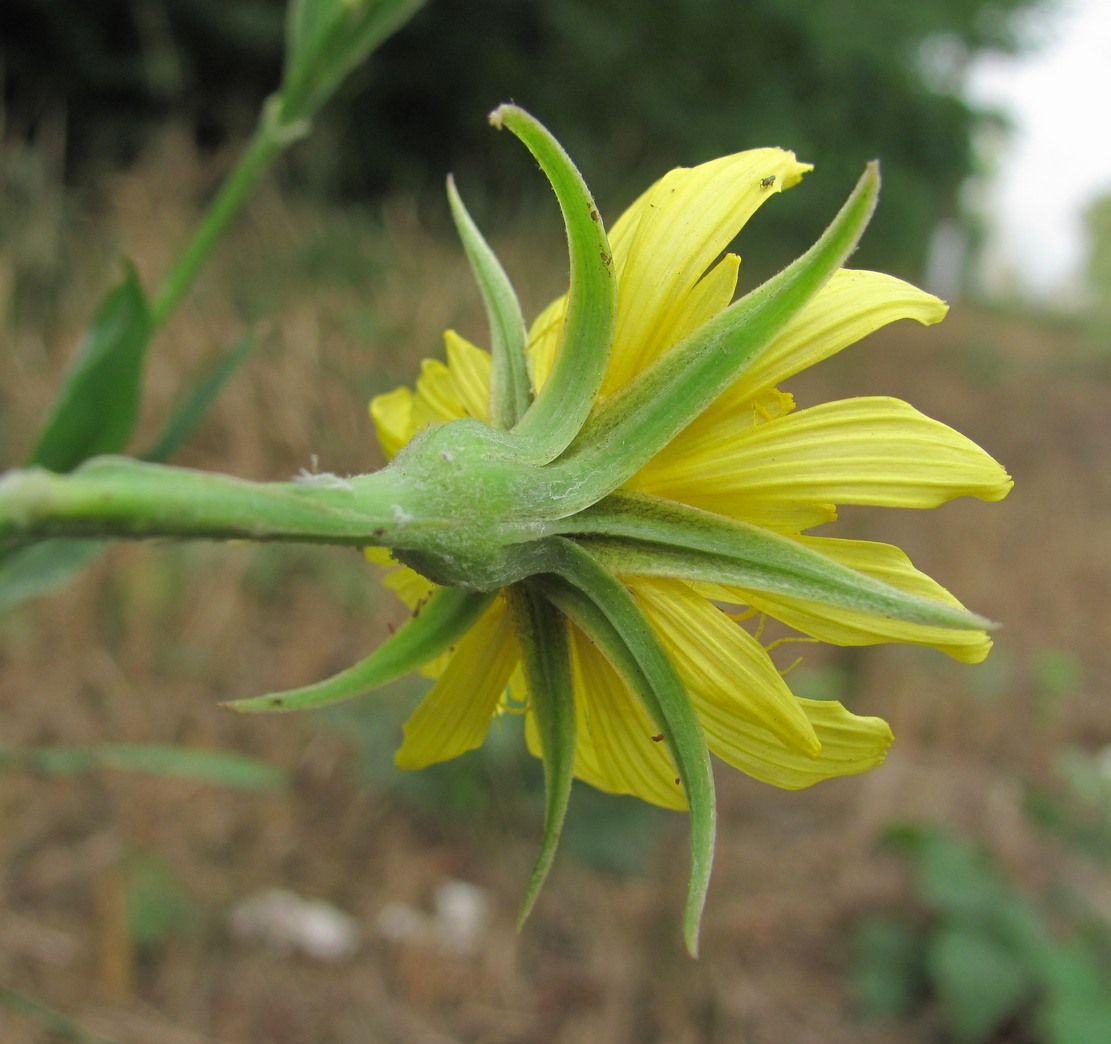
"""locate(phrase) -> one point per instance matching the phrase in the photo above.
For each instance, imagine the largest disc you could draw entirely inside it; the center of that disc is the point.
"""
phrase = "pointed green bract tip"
(563, 404)
(497, 117)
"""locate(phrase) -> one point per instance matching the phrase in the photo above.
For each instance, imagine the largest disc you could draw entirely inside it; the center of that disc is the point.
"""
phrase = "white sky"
(1059, 156)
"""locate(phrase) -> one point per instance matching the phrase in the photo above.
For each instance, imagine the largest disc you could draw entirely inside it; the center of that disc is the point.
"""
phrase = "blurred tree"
(631, 89)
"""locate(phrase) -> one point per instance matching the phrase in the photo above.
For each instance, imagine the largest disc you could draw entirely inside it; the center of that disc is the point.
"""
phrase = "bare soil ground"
(145, 643)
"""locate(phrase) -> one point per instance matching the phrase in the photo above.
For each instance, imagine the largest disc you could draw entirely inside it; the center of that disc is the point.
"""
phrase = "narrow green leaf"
(204, 766)
(542, 634)
(198, 400)
(510, 394)
(634, 424)
(599, 604)
(95, 409)
(660, 537)
(444, 619)
(60, 1026)
(563, 404)
(41, 569)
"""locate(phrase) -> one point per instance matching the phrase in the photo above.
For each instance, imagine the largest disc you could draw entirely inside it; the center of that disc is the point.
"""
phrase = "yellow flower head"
(649, 470)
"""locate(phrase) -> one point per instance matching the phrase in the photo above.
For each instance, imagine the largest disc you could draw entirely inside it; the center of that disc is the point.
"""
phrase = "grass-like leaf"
(95, 409)
(446, 617)
(203, 766)
(198, 400)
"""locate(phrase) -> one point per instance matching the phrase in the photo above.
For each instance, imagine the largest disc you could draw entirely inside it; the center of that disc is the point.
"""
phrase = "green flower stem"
(267, 142)
(326, 40)
(124, 498)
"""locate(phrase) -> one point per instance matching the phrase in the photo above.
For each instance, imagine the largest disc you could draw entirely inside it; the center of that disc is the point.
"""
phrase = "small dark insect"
(594, 215)
(677, 781)
(658, 739)
(607, 259)
(767, 182)
(418, 607)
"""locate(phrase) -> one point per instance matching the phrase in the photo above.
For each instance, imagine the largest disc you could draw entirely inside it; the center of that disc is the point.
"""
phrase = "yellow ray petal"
(544, 334)
(709, 296)
(443, 393)
(437, 399)
(848, 627)
(850, 744)
(725, 670)
(543, 340)
(409, 586)
(662, 247)
(850, 306)
(874, 450)
(704, 435)
(470, 375)
(782, 516)
(393, 418)
(614, 748)
(686, 220)
(455, 714)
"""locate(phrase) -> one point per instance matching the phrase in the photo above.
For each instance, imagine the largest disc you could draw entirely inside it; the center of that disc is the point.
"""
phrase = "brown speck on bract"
(658, 738)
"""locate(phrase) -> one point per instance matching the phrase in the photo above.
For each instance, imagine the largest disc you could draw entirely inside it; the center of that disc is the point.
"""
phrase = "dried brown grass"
(144, 644)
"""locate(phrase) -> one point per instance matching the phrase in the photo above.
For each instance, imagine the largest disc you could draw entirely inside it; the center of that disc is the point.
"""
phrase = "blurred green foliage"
(983, 953)
(631, 89)
(1097, 226)
(157, 907)
(1078, 810)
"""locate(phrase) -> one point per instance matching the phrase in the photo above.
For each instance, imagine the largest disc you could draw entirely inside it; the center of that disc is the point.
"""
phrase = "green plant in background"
(566, 507)
(97, 406)
(983, 952)
(1078, 808)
